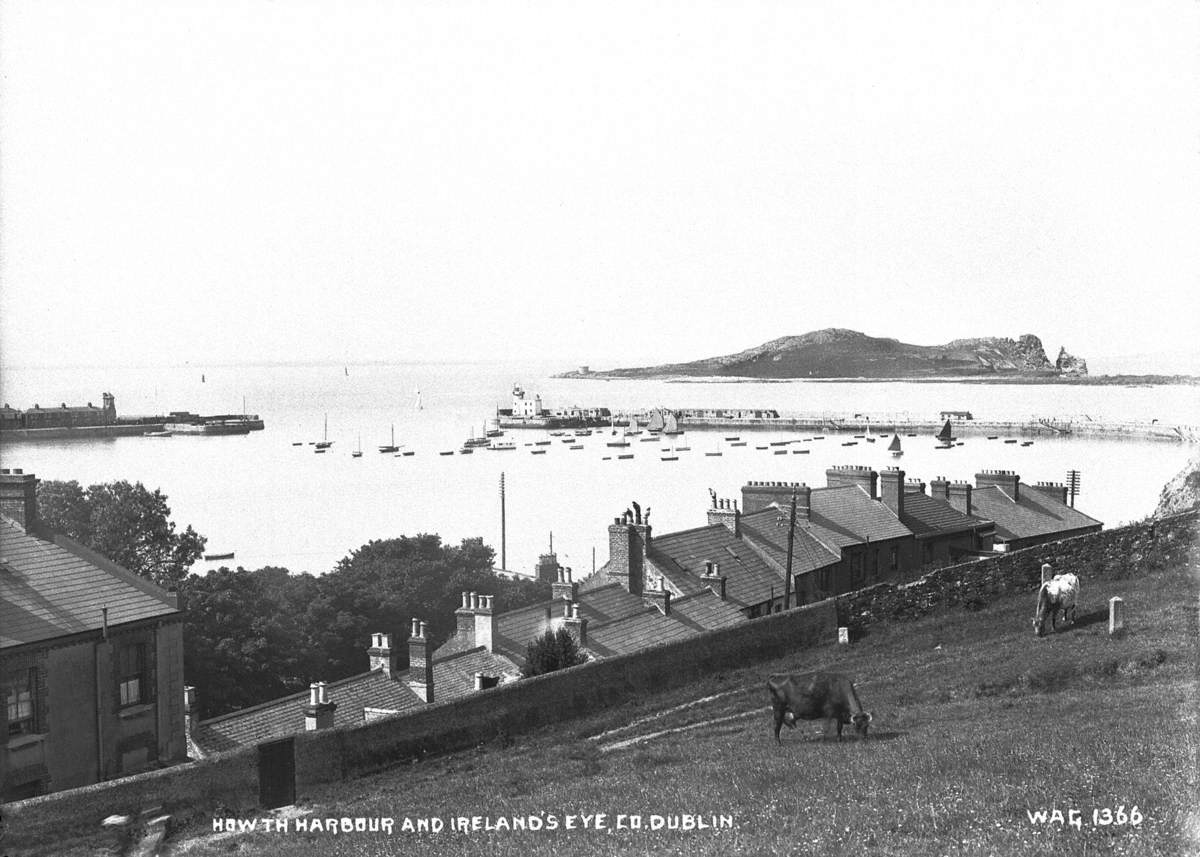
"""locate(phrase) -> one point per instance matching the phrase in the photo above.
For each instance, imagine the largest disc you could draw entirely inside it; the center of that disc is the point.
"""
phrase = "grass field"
(977, 724)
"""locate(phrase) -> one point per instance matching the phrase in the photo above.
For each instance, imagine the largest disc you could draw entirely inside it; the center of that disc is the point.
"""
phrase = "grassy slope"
(976, 722)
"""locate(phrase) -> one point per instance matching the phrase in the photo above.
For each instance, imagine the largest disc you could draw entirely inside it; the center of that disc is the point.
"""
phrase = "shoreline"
(1016, 380)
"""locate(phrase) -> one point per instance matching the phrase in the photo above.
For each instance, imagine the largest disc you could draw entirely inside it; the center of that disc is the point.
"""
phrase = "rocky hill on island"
(1182, 493)
(840, 353)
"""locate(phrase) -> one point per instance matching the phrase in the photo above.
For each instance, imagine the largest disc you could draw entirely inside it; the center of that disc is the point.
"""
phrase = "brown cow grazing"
(815, 696)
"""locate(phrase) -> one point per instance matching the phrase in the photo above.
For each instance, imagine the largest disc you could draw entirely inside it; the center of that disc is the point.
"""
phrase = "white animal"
(1061, 594)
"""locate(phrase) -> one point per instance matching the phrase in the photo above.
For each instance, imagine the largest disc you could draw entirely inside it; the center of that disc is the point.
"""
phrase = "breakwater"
(201, 426)
(832, 423)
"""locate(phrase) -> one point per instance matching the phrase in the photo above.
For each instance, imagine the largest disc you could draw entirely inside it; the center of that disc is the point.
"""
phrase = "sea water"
(275, 503)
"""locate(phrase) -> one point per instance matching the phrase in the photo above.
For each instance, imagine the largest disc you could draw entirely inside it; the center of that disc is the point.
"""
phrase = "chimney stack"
(576, 625)
(381, 655)
(726, 513)
(564, 589)
(659, 598)
(853, 474)
(960, 496)
(627, 547)
(940, 488)
(914, 486)
(891, 489)
(318, 713)
(485, 623)
(757, 496)
(18, 498)
(464, 618)
(1006, 480)
(547, 568)
(1057, 490)
(712, 574)
(420, 662)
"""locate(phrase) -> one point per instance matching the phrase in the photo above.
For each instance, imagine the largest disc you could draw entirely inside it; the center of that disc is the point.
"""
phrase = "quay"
(90, 422)
(863, 424)
(528, 412)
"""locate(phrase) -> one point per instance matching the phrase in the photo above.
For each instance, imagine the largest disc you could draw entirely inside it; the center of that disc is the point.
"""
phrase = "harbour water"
(275, 503)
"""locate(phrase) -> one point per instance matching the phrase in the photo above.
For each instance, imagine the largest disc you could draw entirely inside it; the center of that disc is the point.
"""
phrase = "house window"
(133, 674)
(18, 700)
(895, 558)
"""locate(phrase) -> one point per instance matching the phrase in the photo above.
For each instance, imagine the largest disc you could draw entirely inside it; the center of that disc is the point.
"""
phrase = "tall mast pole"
(787, 584)
(503, 547)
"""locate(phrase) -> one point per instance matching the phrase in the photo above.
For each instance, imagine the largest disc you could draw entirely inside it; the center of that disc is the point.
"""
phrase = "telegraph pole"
(787, 583)
(503, 551)
(1073, 485)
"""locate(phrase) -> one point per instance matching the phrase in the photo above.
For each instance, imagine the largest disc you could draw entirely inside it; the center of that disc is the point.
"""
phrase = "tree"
(242, 642)
(554, 650)
(125, 522)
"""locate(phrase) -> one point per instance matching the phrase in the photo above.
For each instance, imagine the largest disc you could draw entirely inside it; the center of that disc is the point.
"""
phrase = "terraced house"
(91, 660)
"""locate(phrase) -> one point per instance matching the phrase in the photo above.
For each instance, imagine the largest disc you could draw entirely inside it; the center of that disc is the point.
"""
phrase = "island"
(841, 353)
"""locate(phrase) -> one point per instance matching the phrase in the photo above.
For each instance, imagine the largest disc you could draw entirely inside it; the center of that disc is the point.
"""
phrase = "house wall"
(74, 747)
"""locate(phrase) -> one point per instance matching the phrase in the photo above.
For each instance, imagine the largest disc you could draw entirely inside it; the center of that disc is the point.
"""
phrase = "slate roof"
(605, 603)
(1034, 514)
(848, 512)
(924, 515)
(749, 579)
(689, 616)
(52, 589)
(453, 677)
(285, 716)
(808, 553)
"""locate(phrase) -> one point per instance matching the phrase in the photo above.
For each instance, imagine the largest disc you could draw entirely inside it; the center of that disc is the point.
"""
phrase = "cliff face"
(1182, 492)
(841, 353)
(1068, 364)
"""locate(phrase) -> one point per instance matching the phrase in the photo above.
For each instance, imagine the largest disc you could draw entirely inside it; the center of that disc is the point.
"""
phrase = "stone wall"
(1134, 549)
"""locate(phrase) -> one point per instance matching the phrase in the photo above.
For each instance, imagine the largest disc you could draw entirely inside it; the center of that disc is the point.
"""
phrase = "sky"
(607, 183)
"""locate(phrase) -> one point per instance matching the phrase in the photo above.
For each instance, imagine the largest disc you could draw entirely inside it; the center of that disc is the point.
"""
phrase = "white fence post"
(843, 635)
(1116, 614)
(1047, 572)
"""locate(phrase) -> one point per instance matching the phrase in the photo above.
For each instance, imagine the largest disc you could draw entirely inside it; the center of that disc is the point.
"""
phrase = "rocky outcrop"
(840, 353)
(1069, 364)
(1182, 493)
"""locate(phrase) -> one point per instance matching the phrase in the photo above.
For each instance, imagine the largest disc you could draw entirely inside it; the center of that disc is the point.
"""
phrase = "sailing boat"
(671, 425)
(420, 407)
(358, 452)
(325, 442)
(390, 447)
(894, 447)
(946, 435)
